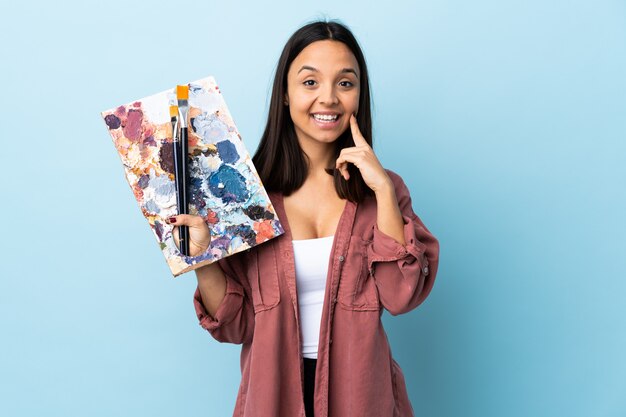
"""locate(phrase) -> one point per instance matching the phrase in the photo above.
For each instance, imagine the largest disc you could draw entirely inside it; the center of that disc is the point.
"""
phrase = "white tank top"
(311, 257)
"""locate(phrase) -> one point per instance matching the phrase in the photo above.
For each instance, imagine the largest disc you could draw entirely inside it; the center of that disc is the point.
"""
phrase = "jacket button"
(330, 341)
(341, 258)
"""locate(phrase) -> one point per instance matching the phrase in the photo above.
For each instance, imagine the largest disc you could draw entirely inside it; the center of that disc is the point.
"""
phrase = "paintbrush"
(182, 94)
(177, 167)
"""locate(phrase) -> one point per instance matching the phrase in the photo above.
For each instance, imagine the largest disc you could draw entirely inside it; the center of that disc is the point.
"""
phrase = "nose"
(328, 95)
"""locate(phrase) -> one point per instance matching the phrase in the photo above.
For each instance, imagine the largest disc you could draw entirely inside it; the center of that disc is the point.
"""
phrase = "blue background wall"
(506, 118)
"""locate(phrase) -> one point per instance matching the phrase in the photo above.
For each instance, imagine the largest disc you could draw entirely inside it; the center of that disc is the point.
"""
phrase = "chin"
(326, 138)
(323, 135)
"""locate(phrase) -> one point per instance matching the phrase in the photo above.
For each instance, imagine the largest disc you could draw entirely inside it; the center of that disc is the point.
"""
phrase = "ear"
(286, 99)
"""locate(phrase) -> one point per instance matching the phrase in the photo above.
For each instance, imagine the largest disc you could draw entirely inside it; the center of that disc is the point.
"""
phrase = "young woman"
(306, 306)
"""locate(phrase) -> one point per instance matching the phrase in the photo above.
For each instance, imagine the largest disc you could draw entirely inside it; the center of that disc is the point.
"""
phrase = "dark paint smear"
(158, 228)
(244, 231)
(193, 127)
(221, 241)
(234, 185)
(149, 141)
(166, 157)
(112, 121)
(227, 151)
(207, 152)
(258, 212)
(197, 197)
(144, 180)
(132, 127)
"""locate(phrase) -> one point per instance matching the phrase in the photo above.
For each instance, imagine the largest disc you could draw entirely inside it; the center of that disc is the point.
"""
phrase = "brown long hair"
(279, 159)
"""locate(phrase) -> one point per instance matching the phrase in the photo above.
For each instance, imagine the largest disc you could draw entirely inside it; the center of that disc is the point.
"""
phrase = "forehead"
(326, 55)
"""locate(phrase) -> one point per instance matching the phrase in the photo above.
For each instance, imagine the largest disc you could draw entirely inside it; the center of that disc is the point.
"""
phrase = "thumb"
(185, 220)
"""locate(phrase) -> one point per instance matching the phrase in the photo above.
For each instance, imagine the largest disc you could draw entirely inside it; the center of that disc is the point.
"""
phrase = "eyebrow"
(343, 71)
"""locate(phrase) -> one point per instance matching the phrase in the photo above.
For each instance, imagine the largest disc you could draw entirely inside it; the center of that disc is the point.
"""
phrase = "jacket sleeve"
(404, 274)
(234, 318)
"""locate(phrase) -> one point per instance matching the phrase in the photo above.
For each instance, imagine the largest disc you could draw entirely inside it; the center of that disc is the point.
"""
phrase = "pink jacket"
(356, 375)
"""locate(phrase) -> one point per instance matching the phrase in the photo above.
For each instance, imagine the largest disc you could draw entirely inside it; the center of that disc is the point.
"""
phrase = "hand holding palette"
(223, 185)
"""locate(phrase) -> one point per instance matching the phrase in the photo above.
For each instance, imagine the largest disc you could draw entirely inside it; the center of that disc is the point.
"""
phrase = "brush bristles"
(173, 111)
(182, 92)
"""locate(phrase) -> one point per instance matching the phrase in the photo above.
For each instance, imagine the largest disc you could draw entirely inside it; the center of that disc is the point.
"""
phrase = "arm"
(212, 287)
(403, 256)
(403, 251)
(221, 304)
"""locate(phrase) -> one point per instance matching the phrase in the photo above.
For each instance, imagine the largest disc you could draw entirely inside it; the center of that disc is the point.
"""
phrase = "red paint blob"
(211, 217)
(120, 112)
(264, 230)
(132, 127)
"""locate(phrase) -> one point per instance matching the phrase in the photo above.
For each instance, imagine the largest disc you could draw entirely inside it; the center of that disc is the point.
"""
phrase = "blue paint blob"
(144, 180)
(158, 228)
(196, 195)
(220, 242)
(228, 184)
(210, 128)
(244, 232)
(227, 151)
(151, 207)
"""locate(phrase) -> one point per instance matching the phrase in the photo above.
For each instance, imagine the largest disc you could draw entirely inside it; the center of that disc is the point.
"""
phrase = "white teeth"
(325, 118)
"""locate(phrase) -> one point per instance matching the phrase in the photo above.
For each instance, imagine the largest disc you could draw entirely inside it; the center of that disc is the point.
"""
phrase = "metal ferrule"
(175, 136)
(183, 109)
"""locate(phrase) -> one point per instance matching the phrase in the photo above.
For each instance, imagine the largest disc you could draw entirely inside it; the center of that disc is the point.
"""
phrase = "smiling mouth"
(325, 118)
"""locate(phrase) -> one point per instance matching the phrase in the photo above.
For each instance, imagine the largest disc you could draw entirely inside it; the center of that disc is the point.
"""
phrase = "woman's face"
(323, 91)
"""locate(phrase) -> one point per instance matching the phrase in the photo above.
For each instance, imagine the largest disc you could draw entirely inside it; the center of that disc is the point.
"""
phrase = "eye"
(346, 84)
(309, 83)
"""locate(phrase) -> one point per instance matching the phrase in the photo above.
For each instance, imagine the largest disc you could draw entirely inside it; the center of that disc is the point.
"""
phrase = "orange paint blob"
(264, 231)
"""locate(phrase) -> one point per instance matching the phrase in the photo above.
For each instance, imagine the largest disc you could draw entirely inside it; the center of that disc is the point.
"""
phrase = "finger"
(353, 150)
(342, 167)
(176, 238)
(186, 220)
(199, 236)
(342, 164)
(343, 170)
(358, 138)
(353, 155)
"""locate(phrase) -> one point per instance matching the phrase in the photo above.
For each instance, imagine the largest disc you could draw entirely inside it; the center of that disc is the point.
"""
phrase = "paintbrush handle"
(178, 174)
(183, 237)
(184, 183)
(183, 231)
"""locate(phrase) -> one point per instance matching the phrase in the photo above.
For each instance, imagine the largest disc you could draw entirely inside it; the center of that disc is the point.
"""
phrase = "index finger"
(358, 138)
